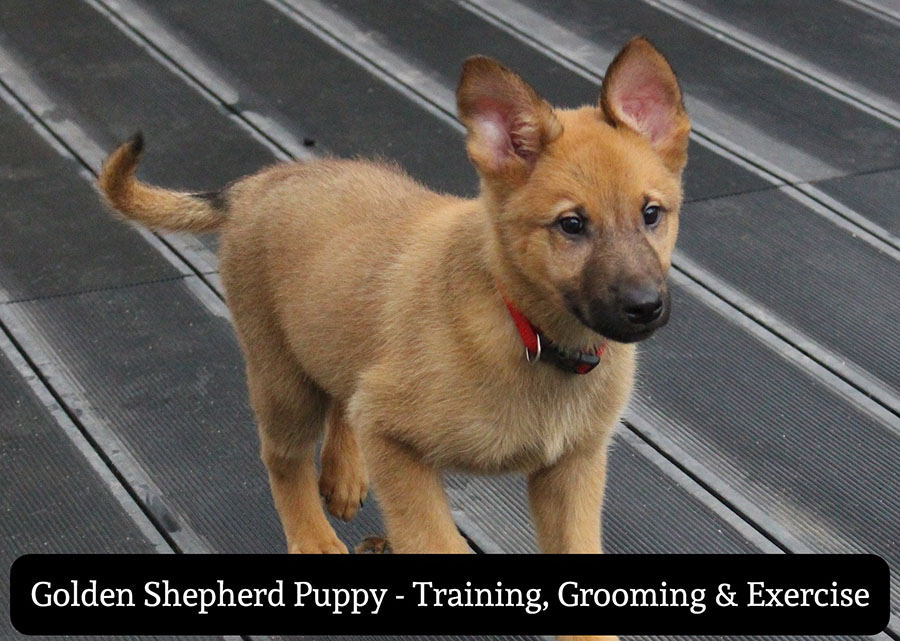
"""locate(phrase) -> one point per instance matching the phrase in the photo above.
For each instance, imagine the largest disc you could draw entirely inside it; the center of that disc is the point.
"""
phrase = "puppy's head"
(584, 202)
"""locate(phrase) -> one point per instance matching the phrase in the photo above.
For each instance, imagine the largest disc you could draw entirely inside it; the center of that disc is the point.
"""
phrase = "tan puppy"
(367, 304)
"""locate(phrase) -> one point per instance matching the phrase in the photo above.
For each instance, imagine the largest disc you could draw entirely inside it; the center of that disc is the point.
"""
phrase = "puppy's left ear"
(640, 92)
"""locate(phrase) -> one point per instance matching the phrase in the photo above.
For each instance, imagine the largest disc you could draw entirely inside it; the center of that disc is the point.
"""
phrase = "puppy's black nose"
(642, 305)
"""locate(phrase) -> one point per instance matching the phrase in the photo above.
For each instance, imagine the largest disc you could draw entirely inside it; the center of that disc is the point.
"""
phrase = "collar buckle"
(537, 355)
(573, 362)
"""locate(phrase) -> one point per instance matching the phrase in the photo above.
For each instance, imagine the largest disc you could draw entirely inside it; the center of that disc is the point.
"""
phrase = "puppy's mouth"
(612, 326)
(630, 337)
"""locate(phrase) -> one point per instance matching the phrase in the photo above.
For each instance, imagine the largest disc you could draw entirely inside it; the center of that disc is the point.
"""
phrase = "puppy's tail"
(155, 207)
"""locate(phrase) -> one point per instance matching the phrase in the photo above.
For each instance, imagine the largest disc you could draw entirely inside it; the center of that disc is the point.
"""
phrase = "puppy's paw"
(343, 496)
(373, 545)
(344, 480)
(320, 545)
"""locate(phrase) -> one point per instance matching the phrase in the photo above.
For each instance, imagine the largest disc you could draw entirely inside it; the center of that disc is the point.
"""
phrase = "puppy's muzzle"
(632, 315)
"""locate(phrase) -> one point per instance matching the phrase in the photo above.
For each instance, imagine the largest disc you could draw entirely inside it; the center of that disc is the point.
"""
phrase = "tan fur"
(367, 302)
(151, 206)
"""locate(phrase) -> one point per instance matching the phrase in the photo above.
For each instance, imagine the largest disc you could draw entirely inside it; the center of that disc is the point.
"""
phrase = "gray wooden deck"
(767, 414)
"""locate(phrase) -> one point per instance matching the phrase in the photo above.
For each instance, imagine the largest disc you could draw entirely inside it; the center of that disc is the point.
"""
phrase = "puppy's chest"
(520, 429)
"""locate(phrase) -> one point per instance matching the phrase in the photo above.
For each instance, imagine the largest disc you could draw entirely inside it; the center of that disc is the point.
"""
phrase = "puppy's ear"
(640, 92)
(508, 123)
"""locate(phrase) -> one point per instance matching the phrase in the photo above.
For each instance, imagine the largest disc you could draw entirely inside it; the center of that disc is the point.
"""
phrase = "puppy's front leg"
(566, 499)
(412, 499)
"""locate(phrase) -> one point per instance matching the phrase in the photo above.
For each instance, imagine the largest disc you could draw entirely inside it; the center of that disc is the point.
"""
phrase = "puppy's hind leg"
(344, 479)
(291, 413)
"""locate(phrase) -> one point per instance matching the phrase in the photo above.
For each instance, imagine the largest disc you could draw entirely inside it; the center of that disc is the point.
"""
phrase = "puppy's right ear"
(508, 123)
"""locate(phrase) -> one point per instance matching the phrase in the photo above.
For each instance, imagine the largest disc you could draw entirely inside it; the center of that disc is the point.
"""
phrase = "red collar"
(539, 347)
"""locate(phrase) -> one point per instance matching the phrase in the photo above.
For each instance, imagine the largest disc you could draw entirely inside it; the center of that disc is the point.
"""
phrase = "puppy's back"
(310, 245)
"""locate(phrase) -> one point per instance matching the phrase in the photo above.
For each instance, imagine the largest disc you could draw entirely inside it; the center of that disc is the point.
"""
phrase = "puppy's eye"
(652, 215)
(572, 225)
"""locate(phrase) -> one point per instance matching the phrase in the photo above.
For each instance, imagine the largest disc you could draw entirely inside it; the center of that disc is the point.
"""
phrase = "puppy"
(421, 332)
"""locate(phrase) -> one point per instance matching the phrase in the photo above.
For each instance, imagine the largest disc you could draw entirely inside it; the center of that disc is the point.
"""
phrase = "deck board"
(47, 212)
(830, 35)
(289, 85)
(51, 499)
(822, 279)
(111, 87)
(872, 193)
(169, 380)
(771, 113)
